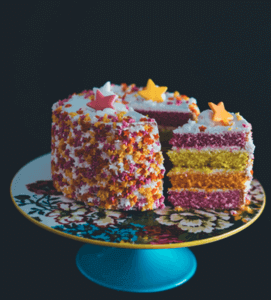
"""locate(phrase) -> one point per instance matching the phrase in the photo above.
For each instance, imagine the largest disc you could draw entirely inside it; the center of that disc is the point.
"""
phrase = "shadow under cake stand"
(128, 250)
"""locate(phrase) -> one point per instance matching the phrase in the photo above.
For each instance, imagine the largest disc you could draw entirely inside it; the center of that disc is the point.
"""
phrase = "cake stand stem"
(136, 270)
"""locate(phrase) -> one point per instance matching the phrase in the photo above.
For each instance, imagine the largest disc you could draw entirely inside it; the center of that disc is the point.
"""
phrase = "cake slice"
(106, 154)
(213, 161)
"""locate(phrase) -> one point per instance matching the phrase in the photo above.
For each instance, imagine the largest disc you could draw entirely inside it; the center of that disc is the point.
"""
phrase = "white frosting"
(214, 171)
(140, 103)
(80, 103)
(135, 102)
(200, 190)
(195, 170)
(105, 89)
(227, 148)
(205, 119)
(249, 147)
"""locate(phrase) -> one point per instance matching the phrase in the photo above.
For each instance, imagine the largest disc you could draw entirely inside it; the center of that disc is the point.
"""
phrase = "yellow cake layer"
(209, 179)
(219, 159)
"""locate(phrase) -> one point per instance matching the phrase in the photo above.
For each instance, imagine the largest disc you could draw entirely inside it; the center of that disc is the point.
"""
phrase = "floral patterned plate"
(34, 196)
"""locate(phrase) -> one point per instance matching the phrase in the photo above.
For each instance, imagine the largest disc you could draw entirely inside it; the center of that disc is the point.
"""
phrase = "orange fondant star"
(220, 114)
(152, 92)
(202, 128)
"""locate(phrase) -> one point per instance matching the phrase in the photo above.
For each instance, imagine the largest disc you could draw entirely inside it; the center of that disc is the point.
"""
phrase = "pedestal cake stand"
(128, 250)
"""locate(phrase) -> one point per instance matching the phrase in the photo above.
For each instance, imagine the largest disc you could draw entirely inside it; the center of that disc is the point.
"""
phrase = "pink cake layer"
(165, 118)
(230, 199)
(200, 140)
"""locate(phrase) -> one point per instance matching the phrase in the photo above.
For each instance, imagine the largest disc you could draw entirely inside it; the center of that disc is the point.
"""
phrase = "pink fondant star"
(101, 102)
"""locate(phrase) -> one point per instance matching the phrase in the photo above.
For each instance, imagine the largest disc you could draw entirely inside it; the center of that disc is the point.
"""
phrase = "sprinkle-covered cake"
(170, 110)
(213, 160)
(106, 154)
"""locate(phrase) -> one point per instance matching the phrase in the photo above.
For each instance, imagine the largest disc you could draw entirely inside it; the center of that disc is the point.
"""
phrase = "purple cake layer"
(165, 118)
(200, 140)
(214, 200)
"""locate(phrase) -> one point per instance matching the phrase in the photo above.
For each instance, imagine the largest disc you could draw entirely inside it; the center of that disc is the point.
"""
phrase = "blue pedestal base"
(136, 270)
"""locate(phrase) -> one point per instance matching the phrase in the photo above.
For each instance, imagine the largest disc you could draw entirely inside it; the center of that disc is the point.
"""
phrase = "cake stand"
(128, 250)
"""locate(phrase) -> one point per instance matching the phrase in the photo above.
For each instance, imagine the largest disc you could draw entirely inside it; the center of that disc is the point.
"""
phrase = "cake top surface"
(123, 99)
(108, 109)
(154, 98)
(206, 124)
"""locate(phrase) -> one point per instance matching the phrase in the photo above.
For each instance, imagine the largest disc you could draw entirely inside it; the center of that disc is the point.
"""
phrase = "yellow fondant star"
(220, 114)
(152, 92)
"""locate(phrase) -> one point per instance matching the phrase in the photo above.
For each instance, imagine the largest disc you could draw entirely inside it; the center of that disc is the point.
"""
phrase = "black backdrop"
(212, 51)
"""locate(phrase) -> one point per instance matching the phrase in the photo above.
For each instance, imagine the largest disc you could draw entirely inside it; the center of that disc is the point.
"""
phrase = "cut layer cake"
(213, 160)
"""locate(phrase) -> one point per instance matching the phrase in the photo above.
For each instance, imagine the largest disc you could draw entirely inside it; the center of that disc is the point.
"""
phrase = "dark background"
(212, 51)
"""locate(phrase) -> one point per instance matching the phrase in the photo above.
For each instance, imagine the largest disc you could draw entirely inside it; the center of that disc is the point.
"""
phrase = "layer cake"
(213, 160)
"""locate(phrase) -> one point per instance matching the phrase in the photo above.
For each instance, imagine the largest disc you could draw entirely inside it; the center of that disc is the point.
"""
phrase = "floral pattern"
(162, 226)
